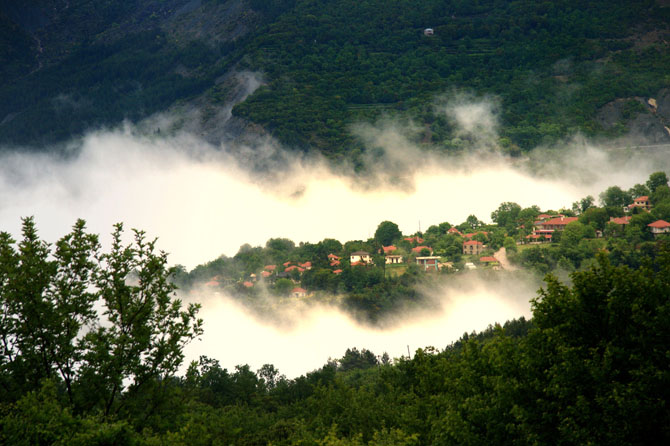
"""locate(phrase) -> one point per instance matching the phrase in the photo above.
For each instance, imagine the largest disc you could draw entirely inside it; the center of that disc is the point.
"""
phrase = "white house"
(360, 256)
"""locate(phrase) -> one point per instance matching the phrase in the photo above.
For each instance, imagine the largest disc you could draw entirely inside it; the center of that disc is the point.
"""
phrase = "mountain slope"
(555, 67)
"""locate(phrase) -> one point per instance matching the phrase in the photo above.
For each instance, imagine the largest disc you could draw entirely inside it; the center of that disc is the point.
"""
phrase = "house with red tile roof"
(640, 202)
(334, 263)
(416, 239)
(247, 284)
(489, 260)
(659, 227)
(287, 263)
(332, 257)
(473, 247)
(539, 237)
(337, 271)
(306, 265)
(620, 220)
(556, 224)
(298, 292)
(389, 249)
(292, 267)
(453, 230)
(266, 274)
(270, 267)
(418, 249)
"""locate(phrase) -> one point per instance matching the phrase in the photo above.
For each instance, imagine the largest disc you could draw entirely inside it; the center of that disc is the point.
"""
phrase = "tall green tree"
(46, 300)
(657, 179)
(142, 342)
(387, 232)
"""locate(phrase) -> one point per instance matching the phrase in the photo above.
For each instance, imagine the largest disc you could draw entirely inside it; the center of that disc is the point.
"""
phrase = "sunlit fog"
(202, 202)
(300, 338)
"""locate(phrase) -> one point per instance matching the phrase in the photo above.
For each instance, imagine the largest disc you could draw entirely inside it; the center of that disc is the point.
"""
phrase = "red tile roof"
(660, 224)
(334, 263)
(270, 267)
(358, 264)
(487, 259)
(298, 290)
(418, 249)
(306, 265)
(248, 284)
(560, 221)
(621, 220)
(266, 274)
(472, 243)
(292, 267)
(642, 198)
(337, 271)
(453, 230)
(413, 239)
(287, 263)
(333, 256)
(389, 249)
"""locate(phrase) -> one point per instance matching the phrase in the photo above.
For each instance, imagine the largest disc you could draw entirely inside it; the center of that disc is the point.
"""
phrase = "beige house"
(298, 292)
(473, 247)
(659, 227)
(393, 259)
(360, 256)
(640, 202)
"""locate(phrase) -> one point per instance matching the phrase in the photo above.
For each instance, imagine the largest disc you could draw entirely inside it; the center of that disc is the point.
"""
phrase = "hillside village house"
(388, 249)
(453, 230)
(640, 202)
(540, 236)
(429, 263)
(555, 224)
(298, 292)
(623, 221)
(360, 256)
(416, 239)
(659, 227)
(473, 247)
(545, 226)
(490, 261)
(418, 249)
(393, 259)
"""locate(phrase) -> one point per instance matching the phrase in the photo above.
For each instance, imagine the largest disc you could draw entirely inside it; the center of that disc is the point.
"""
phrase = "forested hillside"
(555, 67)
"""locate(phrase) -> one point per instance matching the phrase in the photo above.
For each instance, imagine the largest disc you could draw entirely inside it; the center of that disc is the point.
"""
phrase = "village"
(518, 238)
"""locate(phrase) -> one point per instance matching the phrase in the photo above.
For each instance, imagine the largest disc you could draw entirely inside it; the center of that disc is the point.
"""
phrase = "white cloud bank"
(202, 203)
(315, 334)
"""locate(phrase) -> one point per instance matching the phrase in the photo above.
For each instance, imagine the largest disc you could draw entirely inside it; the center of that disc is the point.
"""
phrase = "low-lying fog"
(201, 202)
(309, 335)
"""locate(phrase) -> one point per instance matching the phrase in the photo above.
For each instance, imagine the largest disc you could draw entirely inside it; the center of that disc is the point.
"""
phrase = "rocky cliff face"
(646, 119)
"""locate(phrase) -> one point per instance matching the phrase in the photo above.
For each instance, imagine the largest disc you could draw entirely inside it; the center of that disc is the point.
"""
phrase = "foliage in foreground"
(591, 367)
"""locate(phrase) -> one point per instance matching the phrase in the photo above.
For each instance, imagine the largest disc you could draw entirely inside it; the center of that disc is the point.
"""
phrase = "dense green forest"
(552, 66)
(592, 366)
